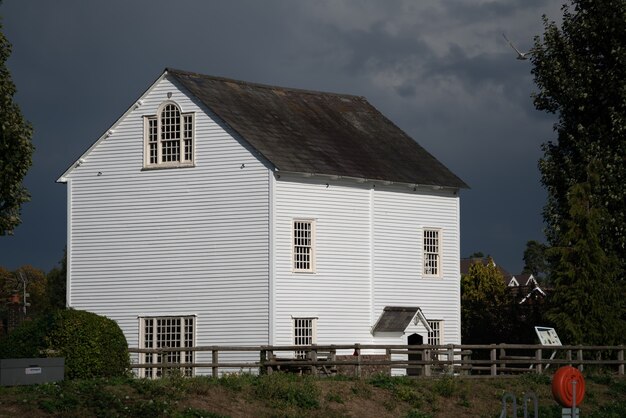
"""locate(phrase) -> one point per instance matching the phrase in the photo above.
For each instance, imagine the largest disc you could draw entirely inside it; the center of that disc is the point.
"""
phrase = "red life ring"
(563, 387)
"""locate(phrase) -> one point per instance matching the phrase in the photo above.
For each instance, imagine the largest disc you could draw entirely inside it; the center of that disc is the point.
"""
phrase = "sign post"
(548, 336)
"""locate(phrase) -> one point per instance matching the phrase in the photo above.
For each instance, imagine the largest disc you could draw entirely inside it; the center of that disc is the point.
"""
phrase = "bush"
(93, 345)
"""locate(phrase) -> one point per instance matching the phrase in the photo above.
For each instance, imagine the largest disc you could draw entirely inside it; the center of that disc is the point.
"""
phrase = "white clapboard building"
(222, 212)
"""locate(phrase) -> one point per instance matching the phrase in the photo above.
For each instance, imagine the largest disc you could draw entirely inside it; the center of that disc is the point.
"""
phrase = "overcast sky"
(439, 69)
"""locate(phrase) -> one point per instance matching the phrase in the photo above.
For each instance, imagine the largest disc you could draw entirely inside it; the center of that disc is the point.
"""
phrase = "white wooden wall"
(338, 293)
(368, 256)
(399, 219)
(184, 241)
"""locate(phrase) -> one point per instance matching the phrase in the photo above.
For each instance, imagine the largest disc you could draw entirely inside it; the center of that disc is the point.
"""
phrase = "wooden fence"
(417, 360)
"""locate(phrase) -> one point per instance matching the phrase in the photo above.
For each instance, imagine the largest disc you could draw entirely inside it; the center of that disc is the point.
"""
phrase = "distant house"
(524, 286)
(222, 212)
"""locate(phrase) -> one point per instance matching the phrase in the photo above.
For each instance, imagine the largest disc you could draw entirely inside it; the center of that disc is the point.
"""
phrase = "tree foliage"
(57, 284)
(580, 70)
(482, 299)
(535, 259)
(15, 147)
(587, 304)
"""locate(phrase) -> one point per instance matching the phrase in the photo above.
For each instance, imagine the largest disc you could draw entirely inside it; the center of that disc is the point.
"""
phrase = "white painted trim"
(420, 187)
(68, 261)
(271, 273)
(313, 259)
(439, 274)
(146, 138)
(371, 267)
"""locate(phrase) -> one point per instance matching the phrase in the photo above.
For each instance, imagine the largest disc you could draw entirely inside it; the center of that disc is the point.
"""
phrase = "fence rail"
(360, 359)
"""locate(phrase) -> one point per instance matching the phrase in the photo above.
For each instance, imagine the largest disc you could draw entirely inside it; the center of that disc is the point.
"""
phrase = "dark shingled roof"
(320, 133)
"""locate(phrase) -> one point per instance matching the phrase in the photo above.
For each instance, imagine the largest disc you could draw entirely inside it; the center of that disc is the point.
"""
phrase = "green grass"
(285, 395)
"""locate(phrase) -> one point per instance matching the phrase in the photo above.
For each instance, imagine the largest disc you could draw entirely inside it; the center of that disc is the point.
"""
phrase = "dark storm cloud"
(440, 70)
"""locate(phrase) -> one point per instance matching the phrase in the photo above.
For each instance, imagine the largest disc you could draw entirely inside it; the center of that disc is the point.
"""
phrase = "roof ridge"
(261, 85)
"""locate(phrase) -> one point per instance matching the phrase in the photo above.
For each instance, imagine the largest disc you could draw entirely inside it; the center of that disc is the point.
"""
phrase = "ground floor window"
(304, 333)
(166, 332)
(435, 337)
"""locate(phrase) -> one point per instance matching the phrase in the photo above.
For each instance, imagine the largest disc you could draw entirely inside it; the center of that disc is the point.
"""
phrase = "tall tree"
(580, 70)
(535, 261)
(587, 304)
(57, 284)
(15, 147)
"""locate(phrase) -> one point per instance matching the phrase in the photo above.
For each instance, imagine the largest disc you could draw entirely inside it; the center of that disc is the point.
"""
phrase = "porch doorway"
(415, 370)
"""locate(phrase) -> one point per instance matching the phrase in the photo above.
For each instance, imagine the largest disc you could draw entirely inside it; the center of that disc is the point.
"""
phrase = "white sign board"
(547, 336)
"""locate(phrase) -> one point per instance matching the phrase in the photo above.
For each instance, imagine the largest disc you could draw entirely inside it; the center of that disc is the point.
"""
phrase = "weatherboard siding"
(338, 292)
(181, 241)
(368, 255)
(399, 218)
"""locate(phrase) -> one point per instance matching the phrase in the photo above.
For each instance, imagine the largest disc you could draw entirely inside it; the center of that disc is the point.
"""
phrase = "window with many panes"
(167, 332)
(432, 258)
(169, 137)
(435, 337)
(304, 333)
(303, 245)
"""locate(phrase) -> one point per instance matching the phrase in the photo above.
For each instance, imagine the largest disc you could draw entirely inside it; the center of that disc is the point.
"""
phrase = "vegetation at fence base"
(92, 345)
(285, 395)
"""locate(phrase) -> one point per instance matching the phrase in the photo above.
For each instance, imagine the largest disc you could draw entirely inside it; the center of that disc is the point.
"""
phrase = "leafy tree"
(580, 70)
(535, 261)
(587, 305)
(57, 282)
(477, 254)
(483, 295)
(36, 286)
(15, 148)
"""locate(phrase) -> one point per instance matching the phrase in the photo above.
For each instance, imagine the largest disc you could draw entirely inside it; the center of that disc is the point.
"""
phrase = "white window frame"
(184, 159)
(428, 251)
(296, 263)
(149, 325)
(297, 338)
(436, 336)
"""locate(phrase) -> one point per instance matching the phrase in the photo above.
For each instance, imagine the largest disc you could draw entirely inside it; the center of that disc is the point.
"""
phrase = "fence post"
(270, 357)
(262, 359)
(388, 352)
(538, 357)
(466, 367)
(163, 362)
(427, 356)
(620, 357)
(312, 355)
(451, 359)
(502, 356)
(493, 357)
(357, 353)
(214, 362)
(333, 359)
(568, 356)
(580, 359)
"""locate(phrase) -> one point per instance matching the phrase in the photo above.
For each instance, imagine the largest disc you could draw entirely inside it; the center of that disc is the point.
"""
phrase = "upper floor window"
(303, 245)
(169, 137)
(432, 263)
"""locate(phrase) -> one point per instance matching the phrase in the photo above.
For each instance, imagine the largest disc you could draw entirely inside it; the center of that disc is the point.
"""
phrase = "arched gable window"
(169, 137)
